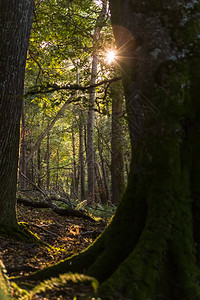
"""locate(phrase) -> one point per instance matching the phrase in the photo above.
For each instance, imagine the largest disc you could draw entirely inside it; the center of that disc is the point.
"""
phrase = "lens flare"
(110, 56)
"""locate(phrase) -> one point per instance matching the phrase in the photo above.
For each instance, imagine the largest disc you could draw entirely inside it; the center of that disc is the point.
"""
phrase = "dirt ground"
(66, 235)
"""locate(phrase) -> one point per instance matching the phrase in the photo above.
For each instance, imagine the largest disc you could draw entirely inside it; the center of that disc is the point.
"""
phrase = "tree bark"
(22, 164)
(81, 156)
(39, 167)
(15, 25)
(117, 158)
(48, 162)
(91, 112)
(90, 134)
(103, 168)
(100, 187)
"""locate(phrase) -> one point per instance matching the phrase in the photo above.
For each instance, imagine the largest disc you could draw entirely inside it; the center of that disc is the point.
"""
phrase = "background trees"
(58, 56)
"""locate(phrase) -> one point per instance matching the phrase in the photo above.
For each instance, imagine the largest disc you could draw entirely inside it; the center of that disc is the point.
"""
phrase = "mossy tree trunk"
(151, 248)
(15, 24)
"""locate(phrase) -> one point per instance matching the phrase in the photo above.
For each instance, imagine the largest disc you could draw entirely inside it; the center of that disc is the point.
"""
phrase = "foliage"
(60, 52)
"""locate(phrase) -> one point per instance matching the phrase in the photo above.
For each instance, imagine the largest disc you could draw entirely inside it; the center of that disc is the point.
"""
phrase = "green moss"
(4, 284)
(21, 233)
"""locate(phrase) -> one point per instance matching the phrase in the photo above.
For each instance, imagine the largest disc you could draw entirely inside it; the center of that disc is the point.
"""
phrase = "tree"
(91, 114)
(151, 248)
(117, 162)
(15, 25)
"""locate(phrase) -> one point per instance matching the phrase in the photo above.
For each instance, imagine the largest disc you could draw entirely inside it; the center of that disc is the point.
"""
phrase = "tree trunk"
(47, 129)
(39, 168)
(22, 164)
(90, 133)
(75, 180)
(151, 248)
(81, 155)
(117, 159)
(100, 187)
(103, 168)
(91, 113)
(15, 24)
(48, 162)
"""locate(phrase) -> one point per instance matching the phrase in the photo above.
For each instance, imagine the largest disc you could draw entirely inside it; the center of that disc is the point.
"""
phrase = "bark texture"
(15, 24)
(91, 112)
(151, 248)
(117, 158)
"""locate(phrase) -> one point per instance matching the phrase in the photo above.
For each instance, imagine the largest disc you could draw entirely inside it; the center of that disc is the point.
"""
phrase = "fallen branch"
(55, 208)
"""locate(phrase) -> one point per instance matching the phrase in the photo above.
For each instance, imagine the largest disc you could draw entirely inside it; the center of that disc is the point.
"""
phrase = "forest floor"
(65, 235)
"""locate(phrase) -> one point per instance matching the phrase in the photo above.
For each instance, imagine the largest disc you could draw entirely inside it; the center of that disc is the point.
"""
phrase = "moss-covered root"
(163, 262)
(21, 233)
(4, 284)
(148, 273)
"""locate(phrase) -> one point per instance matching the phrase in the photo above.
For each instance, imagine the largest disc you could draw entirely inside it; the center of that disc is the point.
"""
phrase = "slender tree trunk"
(117, 158)
(103, 168)
(22, 164)
(39, 168)
(100, 185)
(81, 156)
(15, 25)
(90, 133)
(48, 161)
(47, 130)
(91, 112)
(57, 171)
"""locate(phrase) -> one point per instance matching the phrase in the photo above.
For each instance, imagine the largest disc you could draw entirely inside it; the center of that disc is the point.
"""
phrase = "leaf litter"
(65, 235)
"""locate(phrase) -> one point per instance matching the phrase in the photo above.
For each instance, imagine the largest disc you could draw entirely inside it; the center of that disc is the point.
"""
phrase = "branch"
(54, 87)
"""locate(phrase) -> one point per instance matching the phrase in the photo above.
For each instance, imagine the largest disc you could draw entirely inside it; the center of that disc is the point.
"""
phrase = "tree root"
(22, 233)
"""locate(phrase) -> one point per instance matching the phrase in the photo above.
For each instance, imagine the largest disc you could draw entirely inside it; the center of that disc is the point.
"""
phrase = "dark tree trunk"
(81, 156)
(39, 167)
(48, 162)
(117, 158)
(15, 24)
(103, 168)
(151, 248)
(100, 187)
(22, 164)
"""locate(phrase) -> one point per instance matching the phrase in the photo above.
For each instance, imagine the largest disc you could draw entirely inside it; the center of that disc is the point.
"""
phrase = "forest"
(99, 149)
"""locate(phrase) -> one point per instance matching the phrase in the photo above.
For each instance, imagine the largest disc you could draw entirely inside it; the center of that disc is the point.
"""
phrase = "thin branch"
(54, 87)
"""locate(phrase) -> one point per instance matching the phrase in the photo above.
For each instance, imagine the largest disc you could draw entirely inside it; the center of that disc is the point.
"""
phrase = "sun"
(110, 56)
